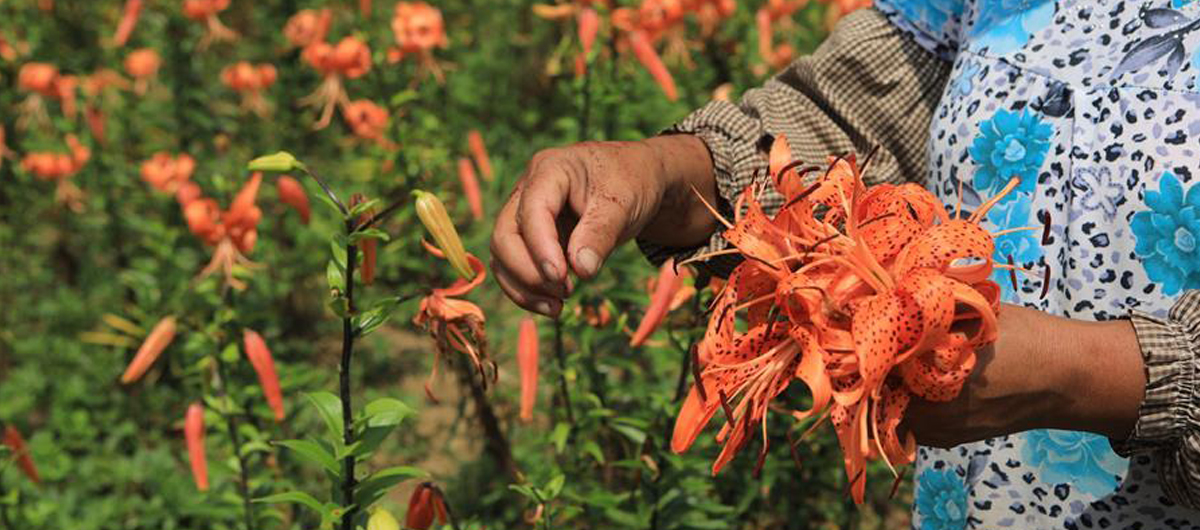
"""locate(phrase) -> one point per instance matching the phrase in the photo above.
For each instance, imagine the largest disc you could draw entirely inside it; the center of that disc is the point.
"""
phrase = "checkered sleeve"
(868, 85)
(1168, 424)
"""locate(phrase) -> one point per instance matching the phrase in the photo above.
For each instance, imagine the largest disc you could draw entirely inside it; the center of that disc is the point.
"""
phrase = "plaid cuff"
(1168, 423)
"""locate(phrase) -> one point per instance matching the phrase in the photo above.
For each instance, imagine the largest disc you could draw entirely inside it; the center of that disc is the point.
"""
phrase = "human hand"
(575, 204)
(1042, 372)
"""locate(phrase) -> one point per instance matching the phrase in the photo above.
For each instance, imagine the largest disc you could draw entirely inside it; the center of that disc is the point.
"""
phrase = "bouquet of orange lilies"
(882, 297)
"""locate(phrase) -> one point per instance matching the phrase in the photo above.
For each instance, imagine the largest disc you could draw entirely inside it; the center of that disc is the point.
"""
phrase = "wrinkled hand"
(574, 205)
(1042, 372)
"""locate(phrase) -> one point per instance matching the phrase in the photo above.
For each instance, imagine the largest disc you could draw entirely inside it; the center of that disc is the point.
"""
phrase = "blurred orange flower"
(308, 26)
(167, 173)
(250, 80)
(206, 11)
(350, 58)
(418, 29)
(232, 233)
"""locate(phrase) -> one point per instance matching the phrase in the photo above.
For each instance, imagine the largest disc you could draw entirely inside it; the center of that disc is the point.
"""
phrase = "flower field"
(243, 279)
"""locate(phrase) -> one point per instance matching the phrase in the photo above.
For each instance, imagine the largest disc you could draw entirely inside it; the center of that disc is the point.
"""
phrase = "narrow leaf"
(312, 452)
(293, 496)
(329, 407)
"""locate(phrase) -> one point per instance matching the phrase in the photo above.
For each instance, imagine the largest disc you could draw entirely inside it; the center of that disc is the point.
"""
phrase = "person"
(1086, 411)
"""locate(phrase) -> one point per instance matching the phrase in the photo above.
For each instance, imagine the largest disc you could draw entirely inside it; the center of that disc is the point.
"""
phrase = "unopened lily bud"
(433, 215)
(160, 337)
(264, 366)
(367, 246)
(193, 432)
(424, 506)
(281, 161)
(292, 194)
(527, 361)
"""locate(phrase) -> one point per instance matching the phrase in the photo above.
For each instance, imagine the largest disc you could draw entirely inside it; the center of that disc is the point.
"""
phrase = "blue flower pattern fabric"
(1167, 235)
(941, 500)
(1094, 110)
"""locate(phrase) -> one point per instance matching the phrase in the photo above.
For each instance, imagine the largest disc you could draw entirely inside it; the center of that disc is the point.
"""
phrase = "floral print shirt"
(1095, 107)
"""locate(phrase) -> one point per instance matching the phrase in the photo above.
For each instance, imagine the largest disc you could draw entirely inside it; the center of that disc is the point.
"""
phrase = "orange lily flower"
(193, 432)
(527, 360)
(60, 167)
(418, 29)
(466, 176)
(479, 153)
(250, 81)
(159, 338)
(16, 444)
(129, 20)
(368, 121)
(308, 26)
(857, 304)
(350, 59)
(142, 65)
(206, 11)
(232, 233)
(454, 324)
(167, 173)
(264, 365)
(292, 194)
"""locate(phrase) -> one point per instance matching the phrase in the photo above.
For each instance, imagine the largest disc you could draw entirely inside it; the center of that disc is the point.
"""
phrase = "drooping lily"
(292, 193)
(205, 11)
(418, 29)
(168, 173)
(455, 324)
(308, 27)
(368, 121)
(232, 233)
(349, 59)
(142, 65)
(425, 506)
(250, 80)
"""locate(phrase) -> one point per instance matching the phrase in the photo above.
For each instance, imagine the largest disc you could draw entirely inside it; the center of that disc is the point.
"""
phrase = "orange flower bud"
(649, 58)
(264, 366)
(16, 443)
(589, 24)
(292, 194)
(466, 175)
(159, 338)
(193, 432)
(527, 361)
(129, 19)
(480, 154)
(425, 505)
(667, 284)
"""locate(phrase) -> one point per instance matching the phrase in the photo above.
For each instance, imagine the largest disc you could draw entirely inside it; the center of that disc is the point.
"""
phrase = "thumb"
(601, 228)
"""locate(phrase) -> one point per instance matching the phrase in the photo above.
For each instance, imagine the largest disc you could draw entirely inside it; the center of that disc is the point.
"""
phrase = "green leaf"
(338, 251)
(635, 435)
(369, 233)
(329, 407)
(554, 486)
(293, 496)
(558, 437)
(386, 412)
(528, 491)
(380, 418)
(312, 452)
(378, 484)
(361, 207)
(279, 162)
(335, 276)
(591, 448)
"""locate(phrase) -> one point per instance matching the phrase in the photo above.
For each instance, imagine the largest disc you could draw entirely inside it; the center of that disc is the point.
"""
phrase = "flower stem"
(560, 355)
(4, 518)
(231, 424)
(348, 481)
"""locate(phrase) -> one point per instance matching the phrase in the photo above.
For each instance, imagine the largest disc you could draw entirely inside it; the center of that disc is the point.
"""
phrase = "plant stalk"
(348, 481)
(231, 424)
(560, 355)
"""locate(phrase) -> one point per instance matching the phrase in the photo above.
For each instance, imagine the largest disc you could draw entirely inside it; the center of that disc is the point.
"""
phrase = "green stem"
(560, 355)
(231, 424)
(348, 481)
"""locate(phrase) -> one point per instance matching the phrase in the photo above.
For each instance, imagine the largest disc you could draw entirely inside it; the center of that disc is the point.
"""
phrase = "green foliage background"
(112, 456)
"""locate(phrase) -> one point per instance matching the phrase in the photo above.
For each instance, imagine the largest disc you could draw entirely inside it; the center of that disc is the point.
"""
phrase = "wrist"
(1104, 374)
(683, 167)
